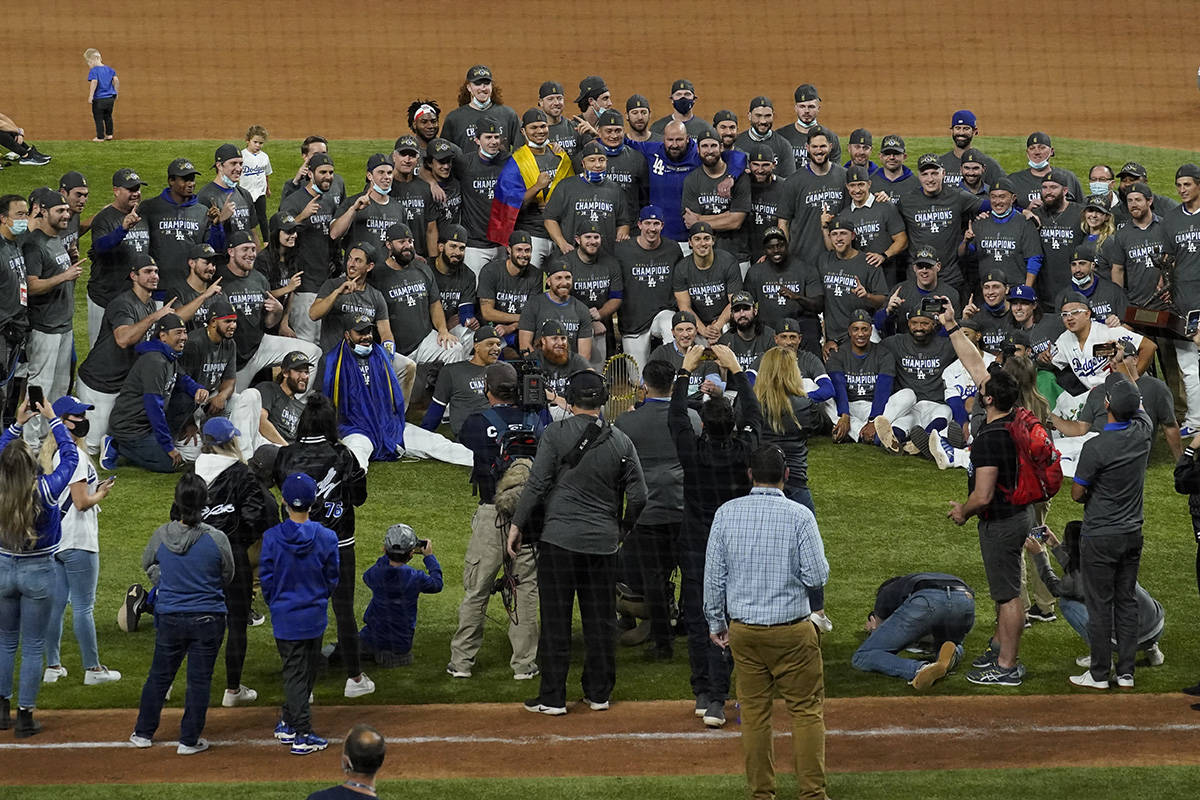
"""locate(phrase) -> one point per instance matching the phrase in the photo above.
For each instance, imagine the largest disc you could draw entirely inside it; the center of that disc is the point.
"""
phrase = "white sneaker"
(458, 673)
(52, 674)
(167, 696)
(1086, 681)
(940, 449)
(596, 706)
(1124, 681)
(191, 749)
(517, 676)
(241, 697)
(140, 742)
(1154, 655)
(824, 623)
(362, 686)
(1084, 660)
(102, 674)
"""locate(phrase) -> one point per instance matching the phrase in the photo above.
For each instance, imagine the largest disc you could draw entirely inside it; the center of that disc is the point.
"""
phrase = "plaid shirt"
(764, 552)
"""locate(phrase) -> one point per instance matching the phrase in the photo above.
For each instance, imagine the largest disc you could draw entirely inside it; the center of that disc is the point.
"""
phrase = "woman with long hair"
(243, 510)
(1097, 220)
(276, 261)
(77, 563)
(30, 530)
(191, 563)
(343, 486)
(789, 417)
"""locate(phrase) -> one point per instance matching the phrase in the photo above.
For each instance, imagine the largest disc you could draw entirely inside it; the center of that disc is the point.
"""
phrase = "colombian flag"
(516, 176)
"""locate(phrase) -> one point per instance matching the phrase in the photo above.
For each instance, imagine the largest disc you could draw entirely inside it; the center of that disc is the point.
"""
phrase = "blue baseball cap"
(963, 117)
(70, 406)
(651, 212)
(299, 491)
(1022, 292)
(220, 430)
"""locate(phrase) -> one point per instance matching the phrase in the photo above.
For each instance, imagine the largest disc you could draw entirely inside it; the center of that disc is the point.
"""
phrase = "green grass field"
(872, 528)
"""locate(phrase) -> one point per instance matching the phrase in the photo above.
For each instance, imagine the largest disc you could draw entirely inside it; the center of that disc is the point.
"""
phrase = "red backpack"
(1039, 467)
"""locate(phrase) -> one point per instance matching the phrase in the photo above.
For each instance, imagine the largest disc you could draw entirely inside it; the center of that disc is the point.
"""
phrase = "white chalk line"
(635, 736)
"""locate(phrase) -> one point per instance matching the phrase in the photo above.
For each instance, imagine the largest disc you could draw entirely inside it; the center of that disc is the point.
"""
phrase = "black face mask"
(683, 104)
(80, 427)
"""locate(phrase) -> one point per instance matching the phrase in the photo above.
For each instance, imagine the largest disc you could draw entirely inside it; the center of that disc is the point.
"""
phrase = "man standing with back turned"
(764, 553)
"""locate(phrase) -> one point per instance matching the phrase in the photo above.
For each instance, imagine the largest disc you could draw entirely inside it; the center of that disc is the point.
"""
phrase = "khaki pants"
(485, 554)
(784, 659)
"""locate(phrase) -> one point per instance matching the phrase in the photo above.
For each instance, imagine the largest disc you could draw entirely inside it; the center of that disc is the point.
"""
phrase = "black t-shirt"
(993, 447)
(110, 268)
(593, 284)
(460, 387)
(283, 410)
(313, 250)
(646, 275)
(457, 289)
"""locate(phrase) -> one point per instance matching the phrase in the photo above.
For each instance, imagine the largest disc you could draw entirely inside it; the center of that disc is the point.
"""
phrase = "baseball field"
(1111, 84)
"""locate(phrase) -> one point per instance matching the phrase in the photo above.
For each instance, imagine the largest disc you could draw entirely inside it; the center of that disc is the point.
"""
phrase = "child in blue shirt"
(102, 93)
(391, 616)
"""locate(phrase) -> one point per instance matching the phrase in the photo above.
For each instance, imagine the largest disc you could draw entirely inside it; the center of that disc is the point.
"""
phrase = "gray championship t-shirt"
(576, 203)
(509, 293)
(939, 222)
(45, 257)
(574, 316)
(920, 368)
(283, 410)
(460, 387)
(701, 196)
(247, 296)
(862, 372)
(314, 248)
(1060, 234)
(805, 196)
(709, 289)
(840, 277)
(110, 267)
(646, 275)
(108, 363)
(173, 230)
(408, 294)
(370, 224)
(764, 281)
(208, 363)
(593, 284)
(367, 301)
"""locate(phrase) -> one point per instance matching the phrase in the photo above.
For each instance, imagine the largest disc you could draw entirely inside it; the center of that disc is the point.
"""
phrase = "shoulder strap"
(493, 416)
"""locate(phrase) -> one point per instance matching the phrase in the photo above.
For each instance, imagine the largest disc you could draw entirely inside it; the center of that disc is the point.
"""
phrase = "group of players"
(489, 235)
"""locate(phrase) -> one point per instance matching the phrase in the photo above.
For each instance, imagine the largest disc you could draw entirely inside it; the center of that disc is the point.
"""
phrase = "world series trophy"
(1161, 315)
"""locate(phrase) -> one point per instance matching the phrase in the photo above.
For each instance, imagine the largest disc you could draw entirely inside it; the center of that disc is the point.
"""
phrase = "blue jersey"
(667, 177)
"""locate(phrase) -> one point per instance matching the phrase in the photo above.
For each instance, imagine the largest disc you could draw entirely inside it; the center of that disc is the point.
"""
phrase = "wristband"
(390, 346)
(954, 330)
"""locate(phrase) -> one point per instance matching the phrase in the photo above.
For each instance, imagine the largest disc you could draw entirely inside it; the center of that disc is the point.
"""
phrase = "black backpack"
(513, 441)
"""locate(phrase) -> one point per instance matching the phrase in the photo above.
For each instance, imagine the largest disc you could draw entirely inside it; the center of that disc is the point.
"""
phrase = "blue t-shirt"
(103, 76)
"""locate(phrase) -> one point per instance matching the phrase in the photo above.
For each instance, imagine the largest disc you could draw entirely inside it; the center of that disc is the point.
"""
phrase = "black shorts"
(1001, 542)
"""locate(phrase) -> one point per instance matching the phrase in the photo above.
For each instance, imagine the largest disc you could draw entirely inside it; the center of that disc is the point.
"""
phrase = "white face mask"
(1081, 282)
(1039, 164)
(362, 349)
(19, 226)
(1098, 187)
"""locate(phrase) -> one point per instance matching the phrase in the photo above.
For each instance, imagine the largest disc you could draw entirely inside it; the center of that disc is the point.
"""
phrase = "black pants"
(655, 554)
(711, 666)
(301, 657)
(343, 612)
(1110, 565)
(237, 603)
(102, 110)
(8, 139)
(260, 209)
(563, 575)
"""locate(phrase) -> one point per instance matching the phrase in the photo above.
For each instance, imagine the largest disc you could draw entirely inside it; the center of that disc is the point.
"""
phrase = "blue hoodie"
(155, 403)
(298, 570)
(391, 616)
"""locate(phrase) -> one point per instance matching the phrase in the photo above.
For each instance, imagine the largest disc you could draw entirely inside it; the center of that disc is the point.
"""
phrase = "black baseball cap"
(555, 264)
(788, 325)
(46, 197)
(860, 315)
(1004, 184)
(72, 180)
(993, 276)
(924, 255)
(362, 323)
(1037, 137)
(1057, 175)
(774, 232)
(1188, 170)
(1133, 169)
(683, 85)
(226, 152)
(139, 260)
(549, 88)
(398, 230)
(551, 327)
(724, 115)
(169, 322)
(762, 101)
(283, 221)
(378, 160)
(700, 227)
(453, 233)
(319, 160)
(478, 74)
(892, 144)
(1097, 202)
(806, 92)
(760, 152)
(637, 101)
(971, 324)
(181, 168)
(971, 155)
(533, 115)
(591, 86)
(405, 144)
(439, 150)
(856, 174)
(295, 360)
(610, 117)
(707, 133)
(841, 222)
(861, 136)
(928, 161)
(486, 125)
(125, 178)
(499, 375)
(203, 250)
(519, 237)
(485, 332)
(1141, 188)
(219, 307)
(592, 148)
(1084, 251)
(238, 238)
(741, 299)
(682, 316)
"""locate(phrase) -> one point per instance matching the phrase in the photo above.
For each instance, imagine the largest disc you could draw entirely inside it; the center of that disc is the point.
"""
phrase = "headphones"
(592, 394)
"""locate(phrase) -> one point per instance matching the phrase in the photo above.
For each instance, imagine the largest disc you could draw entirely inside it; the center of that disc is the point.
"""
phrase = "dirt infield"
(1115, 72)
(656, 738)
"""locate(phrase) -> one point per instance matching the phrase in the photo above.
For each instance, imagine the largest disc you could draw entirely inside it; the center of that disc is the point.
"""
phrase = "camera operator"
(485, 551)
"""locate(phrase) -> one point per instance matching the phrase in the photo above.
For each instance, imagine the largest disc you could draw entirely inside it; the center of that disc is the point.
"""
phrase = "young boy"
(256, 168)
(102, 93)
(391, 616)
(298, 570)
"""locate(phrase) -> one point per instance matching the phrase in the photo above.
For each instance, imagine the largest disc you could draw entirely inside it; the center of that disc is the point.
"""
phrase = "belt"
(771, 625)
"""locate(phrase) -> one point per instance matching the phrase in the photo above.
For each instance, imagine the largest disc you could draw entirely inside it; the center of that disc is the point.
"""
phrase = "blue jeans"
(146, 453)
(946, 615)
(76, 572)
(26, 595)
(710, 665)
(199, 637)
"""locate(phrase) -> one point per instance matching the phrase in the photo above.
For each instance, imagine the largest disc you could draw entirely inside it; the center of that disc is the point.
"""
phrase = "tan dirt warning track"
(653, 738)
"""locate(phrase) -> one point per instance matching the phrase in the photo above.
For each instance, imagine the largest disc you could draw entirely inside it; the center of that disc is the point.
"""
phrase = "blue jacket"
(191, 567)
(667, 177)
(391, 616)
(49, 519)
(374, 409)
(298, 570)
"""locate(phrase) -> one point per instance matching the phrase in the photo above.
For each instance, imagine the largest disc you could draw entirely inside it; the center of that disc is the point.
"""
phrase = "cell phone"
(111, 479)
(1193, 322)
(422, 544)
(36, 397)
(708, 355)
(935, 304)
(1039, 533)
(1104, 350)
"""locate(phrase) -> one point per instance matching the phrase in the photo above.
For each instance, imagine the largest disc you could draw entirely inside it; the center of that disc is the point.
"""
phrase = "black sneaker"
(1039, 614)
(987, 658)
(955, 435)
(995, 675)
(132, 608)
(920, 440)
